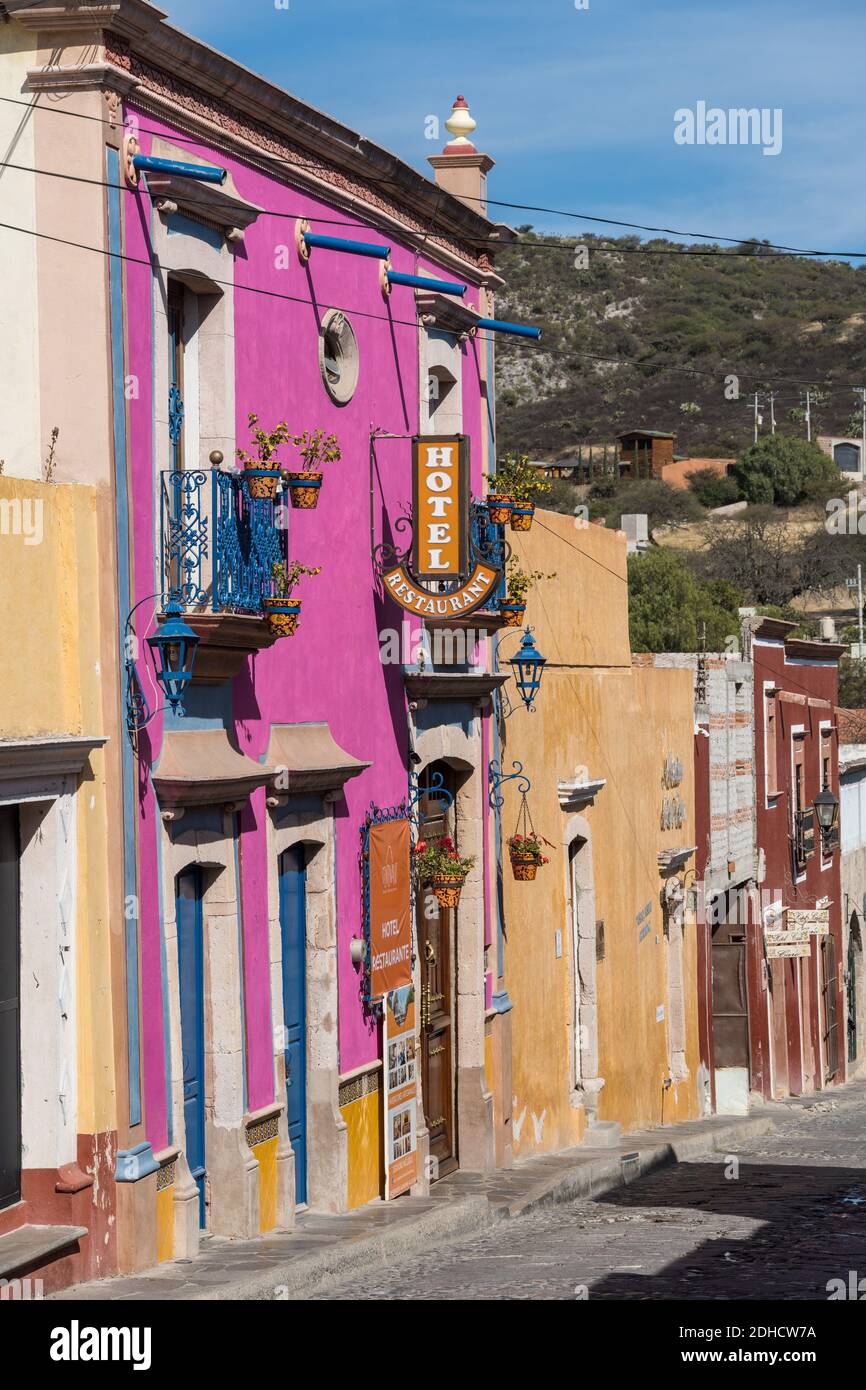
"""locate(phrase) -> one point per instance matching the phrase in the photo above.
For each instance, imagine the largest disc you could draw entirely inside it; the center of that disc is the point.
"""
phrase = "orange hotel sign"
(440, 547)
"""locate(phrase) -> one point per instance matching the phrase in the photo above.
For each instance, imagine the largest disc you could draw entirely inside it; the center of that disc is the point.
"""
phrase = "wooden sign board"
(800, 936)
(816, 920)
(780, 952)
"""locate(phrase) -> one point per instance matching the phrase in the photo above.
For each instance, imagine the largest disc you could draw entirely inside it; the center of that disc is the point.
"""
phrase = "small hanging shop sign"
(386, 838)
(400, 1046)
(445, 572)
(390, 931)
(814, 921)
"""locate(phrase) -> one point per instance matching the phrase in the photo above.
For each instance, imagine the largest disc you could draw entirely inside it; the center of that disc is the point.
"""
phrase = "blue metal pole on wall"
(422, 282)
(352, 248)
(204, 173)
(519, 330)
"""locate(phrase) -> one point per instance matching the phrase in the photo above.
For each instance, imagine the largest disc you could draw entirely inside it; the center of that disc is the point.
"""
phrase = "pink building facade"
(252, 1054)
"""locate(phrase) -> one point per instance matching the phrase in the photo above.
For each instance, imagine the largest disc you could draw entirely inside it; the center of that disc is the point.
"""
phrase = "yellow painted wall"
(618, 723)
(51, 682)
(165, 1224)
(363, 1118)
(266, 1154)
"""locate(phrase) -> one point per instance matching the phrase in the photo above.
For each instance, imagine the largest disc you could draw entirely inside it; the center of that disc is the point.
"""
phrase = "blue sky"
(577, 106)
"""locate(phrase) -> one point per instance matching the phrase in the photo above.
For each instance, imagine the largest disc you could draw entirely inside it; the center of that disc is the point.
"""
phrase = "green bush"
(712, 490)
(672, 611)
(782, 471)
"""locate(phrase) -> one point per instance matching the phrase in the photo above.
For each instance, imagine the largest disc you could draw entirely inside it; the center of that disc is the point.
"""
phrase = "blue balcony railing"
(489, 543)
(217, 543)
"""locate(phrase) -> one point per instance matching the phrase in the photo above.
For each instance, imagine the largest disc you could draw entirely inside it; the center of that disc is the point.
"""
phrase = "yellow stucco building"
(599, 951)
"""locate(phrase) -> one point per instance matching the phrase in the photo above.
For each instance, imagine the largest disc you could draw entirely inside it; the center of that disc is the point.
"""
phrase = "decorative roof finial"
(460, 125)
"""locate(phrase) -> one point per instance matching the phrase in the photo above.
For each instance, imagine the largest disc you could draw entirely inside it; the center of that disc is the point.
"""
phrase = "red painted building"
(795, 1002)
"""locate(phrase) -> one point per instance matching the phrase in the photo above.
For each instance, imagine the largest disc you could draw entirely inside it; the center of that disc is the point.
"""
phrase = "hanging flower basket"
(521, 516)
(512, 613)
(439, 865)
(282, 615)
(447, 889)
(524, 866)
(499, 506)
(304, 489)
(525, 849)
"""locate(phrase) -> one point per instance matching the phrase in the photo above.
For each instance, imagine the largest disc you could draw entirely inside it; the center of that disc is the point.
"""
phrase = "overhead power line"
(286, 166)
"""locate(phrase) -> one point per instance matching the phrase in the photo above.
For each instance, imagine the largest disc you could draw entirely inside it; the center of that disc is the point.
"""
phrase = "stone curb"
(592, 1173)
(307, 1274)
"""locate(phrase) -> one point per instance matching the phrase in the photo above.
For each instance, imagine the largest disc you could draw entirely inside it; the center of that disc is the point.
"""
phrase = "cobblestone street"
(793, 1219)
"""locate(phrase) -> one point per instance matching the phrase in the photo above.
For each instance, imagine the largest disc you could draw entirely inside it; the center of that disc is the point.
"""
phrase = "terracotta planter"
(447, 888)
(524, 867)
(282, 615)
(262, 483)
(304, 489)
(512, 613)
(499, 506)
(521, 517)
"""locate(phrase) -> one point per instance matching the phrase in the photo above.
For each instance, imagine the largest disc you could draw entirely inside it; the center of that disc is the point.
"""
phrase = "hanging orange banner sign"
(471, 595)
(390, 925)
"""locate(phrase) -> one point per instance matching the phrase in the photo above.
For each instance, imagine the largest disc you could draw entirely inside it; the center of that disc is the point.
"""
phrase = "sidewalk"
(324, 1248)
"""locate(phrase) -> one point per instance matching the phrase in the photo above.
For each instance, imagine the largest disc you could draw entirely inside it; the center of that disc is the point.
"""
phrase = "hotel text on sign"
(440, 469)
(390, 929)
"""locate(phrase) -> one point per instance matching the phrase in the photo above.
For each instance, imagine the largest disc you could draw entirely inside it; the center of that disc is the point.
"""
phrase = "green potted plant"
(499, 499)
(262, 468)
(524, 484)
(315, 448)
(281, 610)
(438, 863)
(518, 583)
(526, 856)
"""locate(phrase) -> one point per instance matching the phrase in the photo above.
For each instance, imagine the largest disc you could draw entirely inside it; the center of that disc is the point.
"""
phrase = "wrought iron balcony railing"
(488, 540)
(218, 545)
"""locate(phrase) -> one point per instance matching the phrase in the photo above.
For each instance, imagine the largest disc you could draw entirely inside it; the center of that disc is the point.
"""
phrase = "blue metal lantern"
(173, 647)
(528, 665)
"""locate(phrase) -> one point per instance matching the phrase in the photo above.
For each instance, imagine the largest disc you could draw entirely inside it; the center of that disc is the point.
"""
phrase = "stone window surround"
(587, 1085)
(327, 1133)
(440, 354)
(209, 356)
(336, 323)
(40, 777)
(232, 1169)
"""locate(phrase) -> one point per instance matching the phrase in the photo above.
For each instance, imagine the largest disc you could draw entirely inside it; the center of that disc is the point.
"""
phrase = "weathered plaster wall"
(596, 718)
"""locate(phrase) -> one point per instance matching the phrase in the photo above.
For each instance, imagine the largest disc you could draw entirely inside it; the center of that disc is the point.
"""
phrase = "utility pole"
(809, 414)
(861, 392)
(772, 412)
(859, 582)
(758, 419)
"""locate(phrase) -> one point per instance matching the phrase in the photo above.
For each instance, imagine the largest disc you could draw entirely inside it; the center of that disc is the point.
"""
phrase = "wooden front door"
(10, 1016)
(293, 931)
(190, 961)
(436, 934)
(831, 1018)
(730, 997)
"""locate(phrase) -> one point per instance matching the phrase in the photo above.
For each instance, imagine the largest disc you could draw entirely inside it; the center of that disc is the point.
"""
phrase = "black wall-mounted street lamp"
(826, 812)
